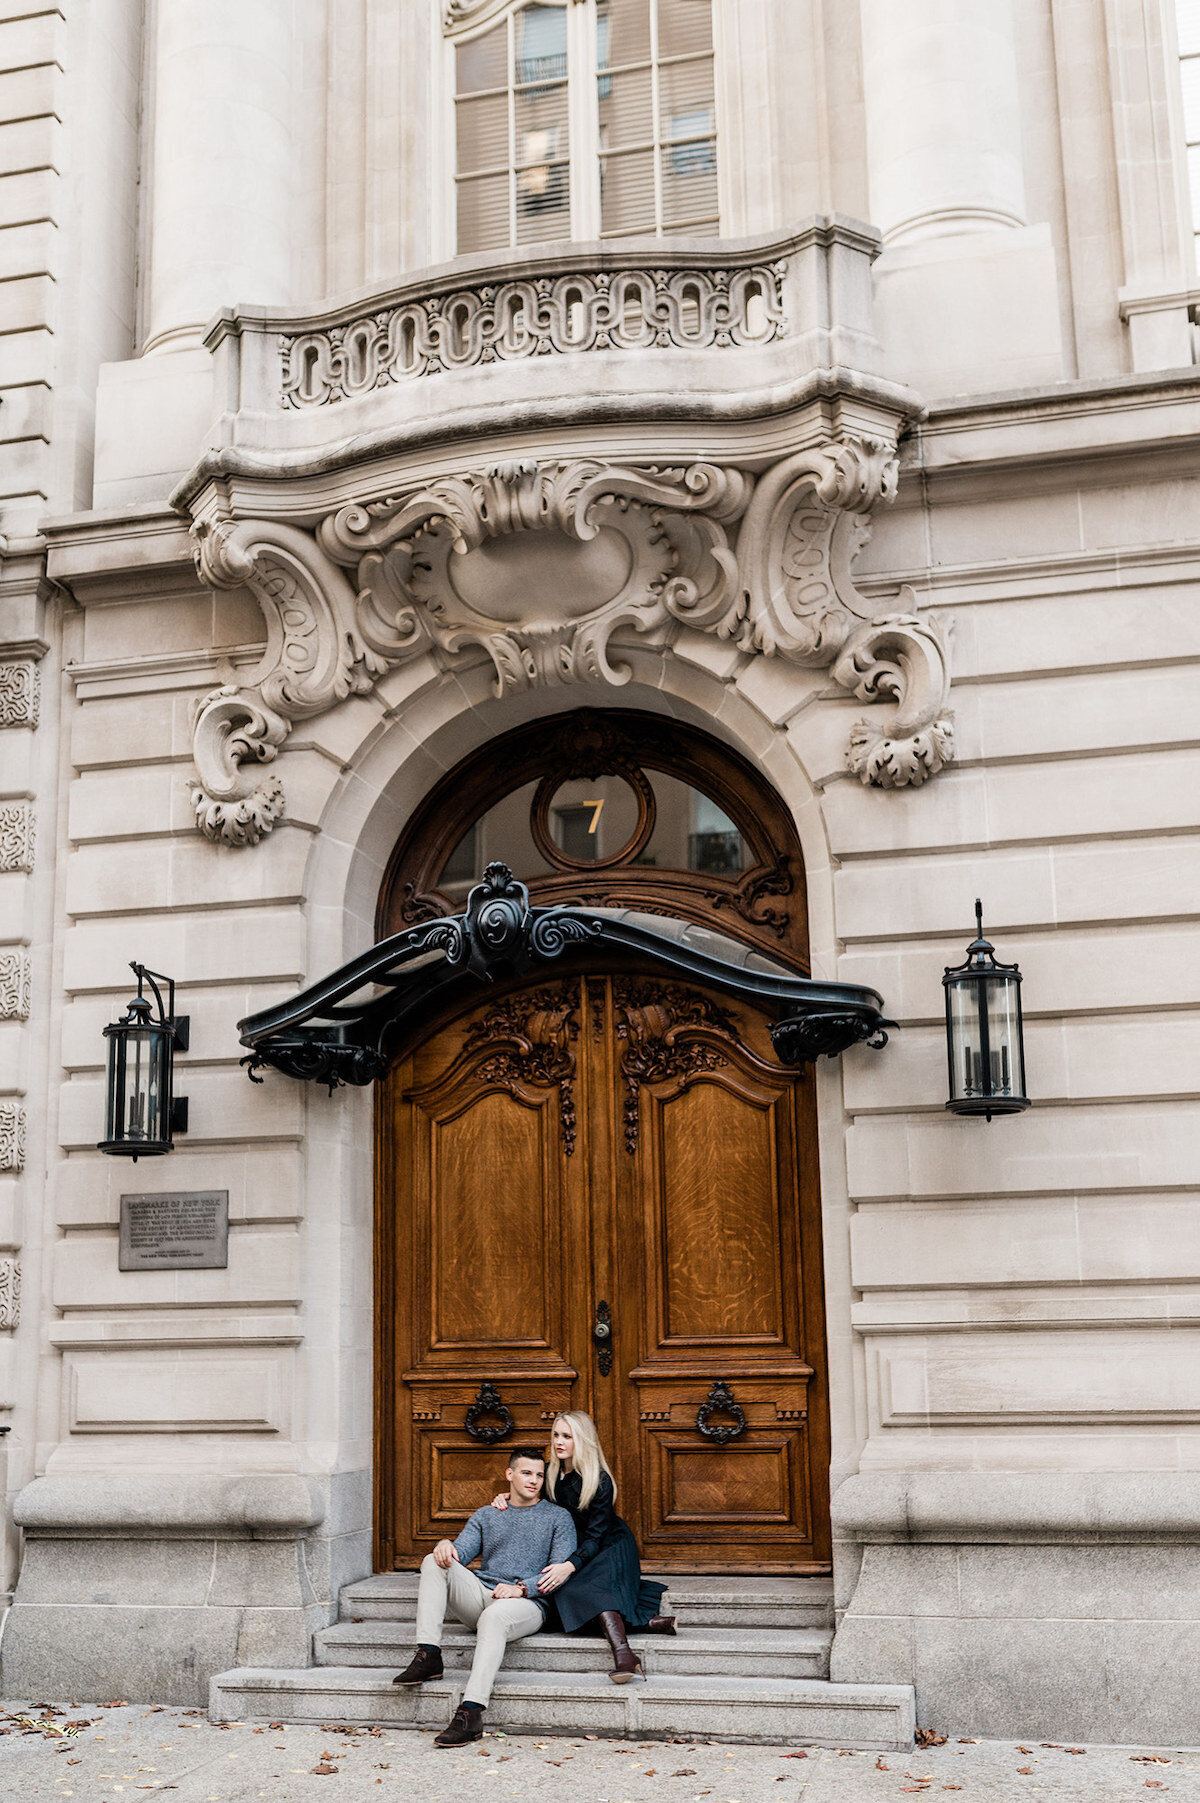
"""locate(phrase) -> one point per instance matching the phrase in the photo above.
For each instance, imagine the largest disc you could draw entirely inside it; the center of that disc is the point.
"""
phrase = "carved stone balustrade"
(709, 329)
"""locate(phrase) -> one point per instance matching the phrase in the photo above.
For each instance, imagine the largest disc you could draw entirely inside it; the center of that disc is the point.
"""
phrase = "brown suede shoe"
(464, 1725)
(421, 1668)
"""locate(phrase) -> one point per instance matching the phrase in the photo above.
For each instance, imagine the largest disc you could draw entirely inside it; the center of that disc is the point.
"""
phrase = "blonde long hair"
(588, 1458)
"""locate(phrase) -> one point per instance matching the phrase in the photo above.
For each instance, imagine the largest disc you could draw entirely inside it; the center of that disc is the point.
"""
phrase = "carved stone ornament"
(12, 1136)
(20, 693)
(539, 565)
(10, 1293)
(532, 1035)
(17, 832)
(634, 309)
(14, 985)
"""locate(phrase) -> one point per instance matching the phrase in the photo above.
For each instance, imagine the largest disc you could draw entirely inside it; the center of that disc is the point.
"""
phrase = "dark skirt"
(612, 1580)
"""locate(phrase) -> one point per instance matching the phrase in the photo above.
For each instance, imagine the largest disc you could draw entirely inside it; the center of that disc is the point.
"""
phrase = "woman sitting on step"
(602, 1581)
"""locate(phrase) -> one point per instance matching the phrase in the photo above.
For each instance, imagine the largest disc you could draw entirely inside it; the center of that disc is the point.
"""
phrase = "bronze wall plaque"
(178, 1230)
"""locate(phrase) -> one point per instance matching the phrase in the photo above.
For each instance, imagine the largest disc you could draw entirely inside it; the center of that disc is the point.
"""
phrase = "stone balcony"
(640, 342)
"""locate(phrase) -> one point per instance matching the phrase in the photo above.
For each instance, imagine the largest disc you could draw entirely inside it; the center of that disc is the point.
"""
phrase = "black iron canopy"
(348, 1027)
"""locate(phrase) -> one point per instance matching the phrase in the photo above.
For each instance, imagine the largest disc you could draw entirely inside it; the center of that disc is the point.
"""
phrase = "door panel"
(625, 1141)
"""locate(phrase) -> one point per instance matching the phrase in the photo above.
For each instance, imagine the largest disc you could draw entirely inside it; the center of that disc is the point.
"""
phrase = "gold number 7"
(596, 807)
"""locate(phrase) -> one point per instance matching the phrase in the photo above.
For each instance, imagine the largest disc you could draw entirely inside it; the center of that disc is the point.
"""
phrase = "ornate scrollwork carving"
(315, 656)
(540, 565)
(631, 309)
(595, 547)
(18, 835)
(749, 898)
(487, 1402)
(807, 521)
(667, 1033)
(903, 659)
(720, 1401)
(533, 1035)
(12, 1136)
(14, 984)
(20, 693)
(10, 1293)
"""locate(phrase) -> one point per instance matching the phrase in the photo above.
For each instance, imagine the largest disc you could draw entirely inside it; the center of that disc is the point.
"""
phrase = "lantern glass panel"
(1004, 1037)
(141, 1090)
(963, 1002)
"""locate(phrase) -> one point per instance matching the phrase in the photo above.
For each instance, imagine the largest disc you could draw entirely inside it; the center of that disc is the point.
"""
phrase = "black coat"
(608, 1573)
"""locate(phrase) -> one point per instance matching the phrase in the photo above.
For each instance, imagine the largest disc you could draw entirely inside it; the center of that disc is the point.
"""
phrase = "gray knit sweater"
(517, 1544)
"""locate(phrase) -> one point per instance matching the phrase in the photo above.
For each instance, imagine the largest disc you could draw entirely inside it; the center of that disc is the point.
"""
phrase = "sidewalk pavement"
(124, 1753)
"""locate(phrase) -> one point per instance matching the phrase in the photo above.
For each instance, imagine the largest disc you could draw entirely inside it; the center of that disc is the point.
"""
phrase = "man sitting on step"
(502, 1603)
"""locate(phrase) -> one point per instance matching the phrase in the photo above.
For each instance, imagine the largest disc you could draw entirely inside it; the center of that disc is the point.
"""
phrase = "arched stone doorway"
(598, 1189)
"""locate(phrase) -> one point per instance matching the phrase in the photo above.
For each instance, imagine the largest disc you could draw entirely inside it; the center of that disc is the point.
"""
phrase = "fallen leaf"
(1149, 1759)
(1155, 1784)
(793, 1755)
(1024, 1749)
(880, 1767)
(685, 1771)
(325, 1770)
(1074, 1749)
(929, 1737)
(1025, 1770)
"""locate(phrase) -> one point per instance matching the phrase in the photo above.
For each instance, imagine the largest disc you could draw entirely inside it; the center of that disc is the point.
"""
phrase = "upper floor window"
(585, 119)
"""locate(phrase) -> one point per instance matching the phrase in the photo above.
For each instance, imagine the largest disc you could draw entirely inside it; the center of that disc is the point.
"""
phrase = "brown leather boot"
(626, 1664)
(466, 1724)
(659, 1624)
(422, 1668)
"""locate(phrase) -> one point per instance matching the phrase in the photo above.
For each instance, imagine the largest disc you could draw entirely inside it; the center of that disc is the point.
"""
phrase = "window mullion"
(656, 118)
(512, 129)
(584, 120)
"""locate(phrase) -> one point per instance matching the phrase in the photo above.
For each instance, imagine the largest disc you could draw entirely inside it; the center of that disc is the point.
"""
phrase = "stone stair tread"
(736, 1708)
(361, 1680)
(696, 1638)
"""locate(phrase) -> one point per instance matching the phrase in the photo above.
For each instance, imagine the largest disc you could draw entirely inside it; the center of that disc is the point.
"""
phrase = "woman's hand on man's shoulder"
(501, 1501)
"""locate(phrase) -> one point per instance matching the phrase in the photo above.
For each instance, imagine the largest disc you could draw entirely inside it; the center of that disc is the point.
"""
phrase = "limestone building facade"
(809, 382)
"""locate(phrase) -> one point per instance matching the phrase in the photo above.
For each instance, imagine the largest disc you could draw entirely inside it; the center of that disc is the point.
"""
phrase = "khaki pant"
(469, 1600)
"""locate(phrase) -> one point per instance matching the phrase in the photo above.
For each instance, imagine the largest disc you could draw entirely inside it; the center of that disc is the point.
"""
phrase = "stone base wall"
(112, 1602)
(1036, 1605)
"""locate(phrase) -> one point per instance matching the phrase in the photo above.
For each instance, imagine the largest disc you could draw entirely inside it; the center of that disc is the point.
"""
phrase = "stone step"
(713, 1652)
(715, 1602)
(771, 1711)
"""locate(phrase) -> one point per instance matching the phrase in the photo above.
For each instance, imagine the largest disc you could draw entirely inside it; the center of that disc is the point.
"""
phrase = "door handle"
(602, 1336)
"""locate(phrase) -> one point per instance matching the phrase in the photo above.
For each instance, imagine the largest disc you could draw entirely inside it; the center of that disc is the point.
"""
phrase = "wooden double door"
(600, 1193)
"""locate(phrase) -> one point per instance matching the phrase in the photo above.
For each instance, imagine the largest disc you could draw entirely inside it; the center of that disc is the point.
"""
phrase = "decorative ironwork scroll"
(486, 1403)
(720, 1401)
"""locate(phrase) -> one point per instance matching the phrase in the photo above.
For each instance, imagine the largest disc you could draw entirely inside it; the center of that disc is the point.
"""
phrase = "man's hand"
(554, 1575)
(444, 1554)
(507, 1593)
(501, 1501)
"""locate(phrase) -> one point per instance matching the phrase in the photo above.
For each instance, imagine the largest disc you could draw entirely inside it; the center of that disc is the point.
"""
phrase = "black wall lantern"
(142, 1110)
(985, 1042)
